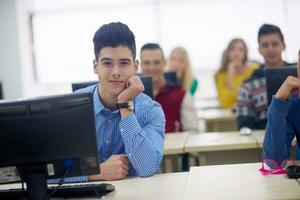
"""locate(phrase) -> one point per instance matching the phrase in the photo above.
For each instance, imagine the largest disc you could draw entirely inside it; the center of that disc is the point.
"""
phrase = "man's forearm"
(144, 147)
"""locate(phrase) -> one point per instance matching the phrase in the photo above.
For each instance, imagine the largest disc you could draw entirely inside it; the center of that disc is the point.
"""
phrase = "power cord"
(61, 182)
(298, 181)
(259, 156)
(245, 131)
(22, 194)
(20, 173)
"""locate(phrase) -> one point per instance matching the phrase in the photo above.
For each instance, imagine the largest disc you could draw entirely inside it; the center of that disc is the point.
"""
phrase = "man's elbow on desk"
(150, 170)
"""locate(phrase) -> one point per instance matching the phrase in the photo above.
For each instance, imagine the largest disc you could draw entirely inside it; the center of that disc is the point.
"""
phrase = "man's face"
(271, 48)
(152, 63)
(114, 67)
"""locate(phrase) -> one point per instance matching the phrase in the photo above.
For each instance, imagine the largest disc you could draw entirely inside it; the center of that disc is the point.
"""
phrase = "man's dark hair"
(152, 46)
(267, 29)
(112, 35)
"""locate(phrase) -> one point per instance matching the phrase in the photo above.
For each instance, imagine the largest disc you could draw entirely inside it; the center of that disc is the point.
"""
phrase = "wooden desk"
(225, 147)
(221, 141)
(174, 146)
(160, 187)
(218, 119)
(175, 142)
(207, 104)
(242, 181)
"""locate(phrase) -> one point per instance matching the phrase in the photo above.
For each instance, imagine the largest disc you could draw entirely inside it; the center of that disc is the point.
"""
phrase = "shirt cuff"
(128, 126)
(279, 107)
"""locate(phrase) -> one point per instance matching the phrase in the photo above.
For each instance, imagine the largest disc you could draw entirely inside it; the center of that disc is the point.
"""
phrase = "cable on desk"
(298, 181)
(259, 156)
(22, 194)
(61, 182)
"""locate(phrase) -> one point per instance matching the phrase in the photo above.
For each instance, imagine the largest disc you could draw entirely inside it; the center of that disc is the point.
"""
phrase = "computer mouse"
(293, 171)
(245, 131)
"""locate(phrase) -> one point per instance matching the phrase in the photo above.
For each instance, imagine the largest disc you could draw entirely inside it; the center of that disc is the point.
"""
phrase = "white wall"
(30, 84)
(10, 61)
(16, 62)
(293, 28)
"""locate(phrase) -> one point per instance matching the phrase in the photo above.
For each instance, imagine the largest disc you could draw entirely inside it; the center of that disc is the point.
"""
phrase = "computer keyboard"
(82, 190)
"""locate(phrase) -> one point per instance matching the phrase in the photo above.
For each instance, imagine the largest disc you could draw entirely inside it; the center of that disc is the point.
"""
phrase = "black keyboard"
(69, 191)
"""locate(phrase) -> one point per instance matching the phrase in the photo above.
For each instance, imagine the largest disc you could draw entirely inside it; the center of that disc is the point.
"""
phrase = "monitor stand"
(36, 181)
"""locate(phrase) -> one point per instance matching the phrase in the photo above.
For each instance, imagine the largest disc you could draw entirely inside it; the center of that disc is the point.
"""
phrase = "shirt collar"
(98, 105)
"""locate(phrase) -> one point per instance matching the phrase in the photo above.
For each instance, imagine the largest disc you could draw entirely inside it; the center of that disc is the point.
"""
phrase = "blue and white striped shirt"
(140, 136)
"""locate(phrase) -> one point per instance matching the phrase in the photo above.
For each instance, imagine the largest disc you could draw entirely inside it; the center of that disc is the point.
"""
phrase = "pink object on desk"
(271, 167)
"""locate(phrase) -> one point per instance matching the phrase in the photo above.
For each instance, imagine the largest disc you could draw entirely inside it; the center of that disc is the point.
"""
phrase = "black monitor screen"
(50, 131)
(77, 86)
(146, 80)
(171, 77)
(275, 77)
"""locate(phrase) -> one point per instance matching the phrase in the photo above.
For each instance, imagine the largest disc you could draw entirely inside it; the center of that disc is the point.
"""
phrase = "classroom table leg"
(170, 164)
(185, 162)
(202, 158)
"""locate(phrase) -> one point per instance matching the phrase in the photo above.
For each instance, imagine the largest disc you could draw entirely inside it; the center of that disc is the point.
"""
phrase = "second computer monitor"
(171, 77)
(146, 80)
(275, 77)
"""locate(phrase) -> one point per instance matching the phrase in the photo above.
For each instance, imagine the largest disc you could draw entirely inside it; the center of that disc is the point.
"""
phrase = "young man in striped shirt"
(130, 126)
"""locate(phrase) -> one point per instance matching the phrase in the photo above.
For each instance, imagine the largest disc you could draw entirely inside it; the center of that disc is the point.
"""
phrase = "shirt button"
(129, 154)
(106, 141)
(121, 130)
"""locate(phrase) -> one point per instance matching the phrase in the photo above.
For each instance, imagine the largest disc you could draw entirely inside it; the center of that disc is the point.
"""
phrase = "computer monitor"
(146, 80)
(275, 77)
(77, 86)
(1, 93)
(49, 137)
(171, 77)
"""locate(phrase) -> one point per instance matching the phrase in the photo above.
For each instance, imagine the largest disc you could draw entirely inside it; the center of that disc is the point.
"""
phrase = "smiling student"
(130, 126)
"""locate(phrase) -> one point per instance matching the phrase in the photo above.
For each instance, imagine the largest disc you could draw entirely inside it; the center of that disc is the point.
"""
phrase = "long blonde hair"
(187, 78)
(225, 56)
